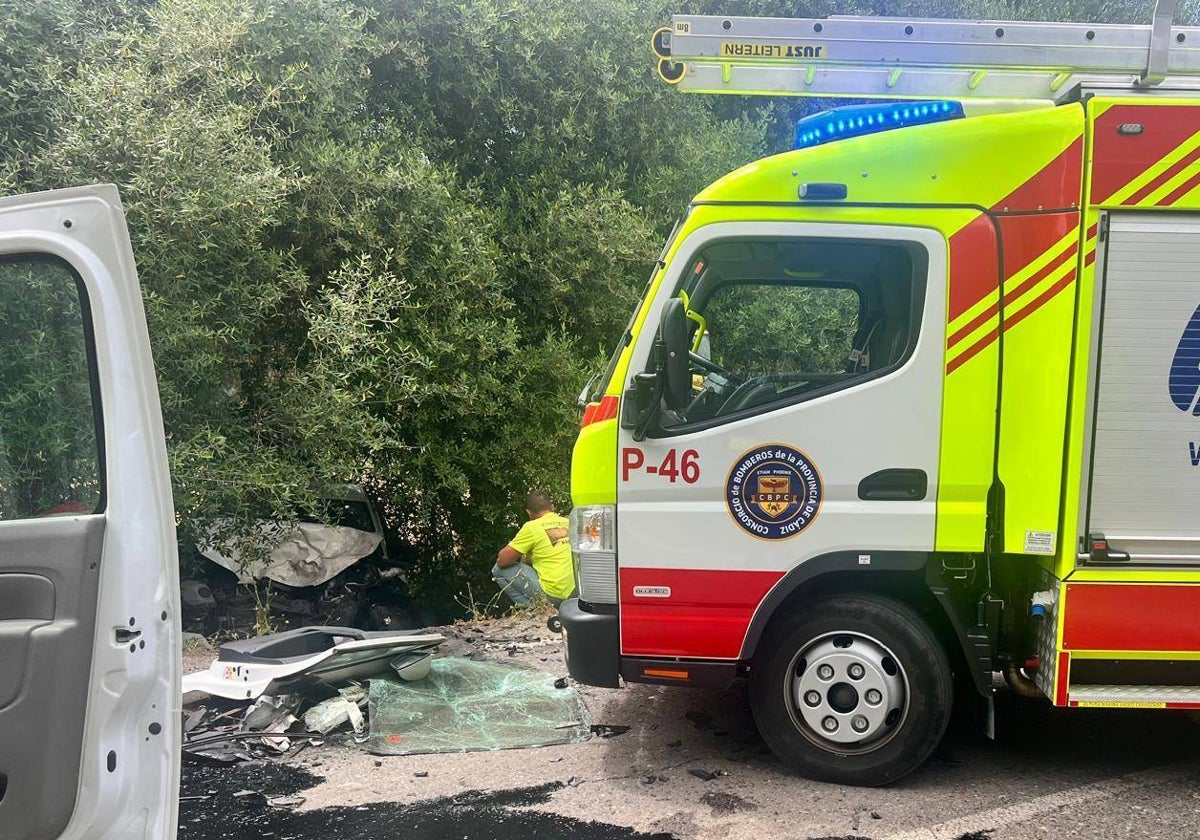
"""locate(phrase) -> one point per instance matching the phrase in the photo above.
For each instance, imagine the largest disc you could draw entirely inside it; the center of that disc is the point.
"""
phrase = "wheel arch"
(899, 575)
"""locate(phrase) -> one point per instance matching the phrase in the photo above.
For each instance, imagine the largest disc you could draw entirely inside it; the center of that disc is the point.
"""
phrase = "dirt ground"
(1049, 773)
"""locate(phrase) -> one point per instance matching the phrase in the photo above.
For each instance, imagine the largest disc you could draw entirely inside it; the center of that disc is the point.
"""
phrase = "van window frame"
(93, 369)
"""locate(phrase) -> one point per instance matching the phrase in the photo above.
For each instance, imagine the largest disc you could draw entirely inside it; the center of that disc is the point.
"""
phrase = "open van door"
(89, 604)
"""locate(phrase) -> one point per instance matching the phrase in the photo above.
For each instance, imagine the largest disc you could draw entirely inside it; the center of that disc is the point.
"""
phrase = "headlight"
(594, 546)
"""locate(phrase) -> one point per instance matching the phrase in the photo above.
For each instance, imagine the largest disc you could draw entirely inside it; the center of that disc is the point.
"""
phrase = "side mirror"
(640, 403)
(674, 332)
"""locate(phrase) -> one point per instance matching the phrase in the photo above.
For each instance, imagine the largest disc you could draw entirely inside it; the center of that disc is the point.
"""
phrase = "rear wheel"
(853, 689)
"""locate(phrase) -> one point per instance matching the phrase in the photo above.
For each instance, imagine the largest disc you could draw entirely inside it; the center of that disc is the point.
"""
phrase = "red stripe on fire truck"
(1120, 159)
(1133, 617)
(706, 616)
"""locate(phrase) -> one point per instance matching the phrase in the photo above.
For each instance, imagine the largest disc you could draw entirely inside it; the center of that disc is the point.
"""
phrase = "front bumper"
(593, 645)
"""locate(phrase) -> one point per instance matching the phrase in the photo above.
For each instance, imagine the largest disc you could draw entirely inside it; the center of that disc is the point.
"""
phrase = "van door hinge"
(1102, 230)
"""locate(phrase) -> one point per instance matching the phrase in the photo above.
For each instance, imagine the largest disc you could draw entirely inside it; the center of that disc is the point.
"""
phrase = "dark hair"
(538, 502)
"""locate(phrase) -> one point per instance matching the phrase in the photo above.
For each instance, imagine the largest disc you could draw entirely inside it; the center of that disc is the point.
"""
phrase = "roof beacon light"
(857, 120)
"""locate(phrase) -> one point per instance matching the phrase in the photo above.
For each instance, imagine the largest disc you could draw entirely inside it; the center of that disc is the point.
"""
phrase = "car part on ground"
(249, 668)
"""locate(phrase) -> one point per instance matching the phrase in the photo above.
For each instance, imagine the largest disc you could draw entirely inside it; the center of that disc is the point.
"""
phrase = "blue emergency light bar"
(857, 120)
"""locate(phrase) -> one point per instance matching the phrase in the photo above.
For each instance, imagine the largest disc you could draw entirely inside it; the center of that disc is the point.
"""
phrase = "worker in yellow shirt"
(538, 559)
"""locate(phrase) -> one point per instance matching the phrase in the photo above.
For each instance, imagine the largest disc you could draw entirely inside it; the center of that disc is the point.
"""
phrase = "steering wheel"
(744, 394)
(710, 366)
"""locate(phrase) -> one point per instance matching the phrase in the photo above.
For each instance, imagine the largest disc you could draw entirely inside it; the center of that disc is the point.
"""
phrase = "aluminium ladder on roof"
(892, 57)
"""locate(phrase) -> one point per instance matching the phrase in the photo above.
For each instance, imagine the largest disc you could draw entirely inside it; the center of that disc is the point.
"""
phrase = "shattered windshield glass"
(469, 706)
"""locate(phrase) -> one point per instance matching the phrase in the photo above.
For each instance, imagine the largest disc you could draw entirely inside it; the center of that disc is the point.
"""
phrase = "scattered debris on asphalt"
(608, 730)
(726, 803)
(334, 713)
(275, 695)
(706, 775)
(285, 801)
(229, 733)
(507, 813)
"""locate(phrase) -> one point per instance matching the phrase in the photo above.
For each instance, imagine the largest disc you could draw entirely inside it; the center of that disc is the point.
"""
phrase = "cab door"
(89, 617)
(812, 429)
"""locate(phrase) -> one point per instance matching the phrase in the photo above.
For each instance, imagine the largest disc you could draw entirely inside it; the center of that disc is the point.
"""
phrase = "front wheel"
(852, 689)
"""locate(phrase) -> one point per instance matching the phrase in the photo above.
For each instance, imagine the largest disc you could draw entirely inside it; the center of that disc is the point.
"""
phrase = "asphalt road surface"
(1049, 773)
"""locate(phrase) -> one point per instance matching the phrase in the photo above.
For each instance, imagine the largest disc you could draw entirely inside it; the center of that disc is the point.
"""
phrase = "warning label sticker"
(1039, 542)
(745, 49)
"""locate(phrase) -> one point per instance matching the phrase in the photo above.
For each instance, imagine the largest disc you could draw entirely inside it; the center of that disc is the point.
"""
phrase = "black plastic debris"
(608, 730)
(706, 775)
(230, 732)
(561, 682)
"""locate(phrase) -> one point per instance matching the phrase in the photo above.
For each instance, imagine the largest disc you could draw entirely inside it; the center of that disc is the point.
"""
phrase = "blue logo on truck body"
(773, 492)
(1184, 381)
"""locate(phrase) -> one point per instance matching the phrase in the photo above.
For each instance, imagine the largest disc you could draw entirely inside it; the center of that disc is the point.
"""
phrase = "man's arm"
(507, 556)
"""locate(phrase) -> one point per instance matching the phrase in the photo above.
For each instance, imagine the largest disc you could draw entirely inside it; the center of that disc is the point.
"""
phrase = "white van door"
(89, 614)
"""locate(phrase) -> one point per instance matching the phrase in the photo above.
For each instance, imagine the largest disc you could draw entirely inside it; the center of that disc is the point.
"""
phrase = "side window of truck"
(762, 329)
(784, 321)
(49, 451)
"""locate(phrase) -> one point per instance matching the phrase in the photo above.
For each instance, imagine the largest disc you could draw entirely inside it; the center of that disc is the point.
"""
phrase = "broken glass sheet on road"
(469, 706)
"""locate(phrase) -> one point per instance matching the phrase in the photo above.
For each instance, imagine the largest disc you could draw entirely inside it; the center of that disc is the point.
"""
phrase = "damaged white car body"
(306, 553)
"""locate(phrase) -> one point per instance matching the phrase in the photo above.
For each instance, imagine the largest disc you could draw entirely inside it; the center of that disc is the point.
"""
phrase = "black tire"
(884, 629)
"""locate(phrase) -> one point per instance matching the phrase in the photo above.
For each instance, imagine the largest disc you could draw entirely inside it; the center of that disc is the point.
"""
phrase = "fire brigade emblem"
(773, 497)
(773, 492)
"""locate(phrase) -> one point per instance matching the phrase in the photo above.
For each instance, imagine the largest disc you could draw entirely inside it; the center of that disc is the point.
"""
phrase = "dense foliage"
(386, 242)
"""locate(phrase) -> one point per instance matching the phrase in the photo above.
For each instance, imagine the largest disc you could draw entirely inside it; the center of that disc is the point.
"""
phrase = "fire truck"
(915, 402)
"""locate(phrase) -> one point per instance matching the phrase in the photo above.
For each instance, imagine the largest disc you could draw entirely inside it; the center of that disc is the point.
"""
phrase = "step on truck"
(915, 402)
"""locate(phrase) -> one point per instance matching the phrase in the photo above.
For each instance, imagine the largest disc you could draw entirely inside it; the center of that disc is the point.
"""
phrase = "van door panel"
(89, 616)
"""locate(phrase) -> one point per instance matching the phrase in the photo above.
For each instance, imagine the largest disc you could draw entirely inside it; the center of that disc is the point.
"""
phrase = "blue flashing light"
(859, 120)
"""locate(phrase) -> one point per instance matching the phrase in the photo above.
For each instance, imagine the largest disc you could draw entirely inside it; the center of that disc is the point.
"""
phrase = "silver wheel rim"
(847, 692)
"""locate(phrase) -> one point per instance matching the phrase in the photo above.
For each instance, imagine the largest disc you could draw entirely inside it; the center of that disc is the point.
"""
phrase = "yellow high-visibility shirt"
(544, 541)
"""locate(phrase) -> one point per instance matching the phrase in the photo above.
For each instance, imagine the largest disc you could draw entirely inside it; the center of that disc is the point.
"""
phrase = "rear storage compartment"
(1145, 460)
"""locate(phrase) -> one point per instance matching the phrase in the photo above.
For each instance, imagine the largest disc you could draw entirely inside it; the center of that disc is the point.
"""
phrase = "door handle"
(894, 485)
(1101, 552)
